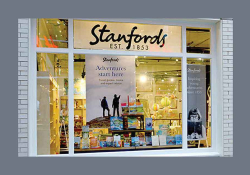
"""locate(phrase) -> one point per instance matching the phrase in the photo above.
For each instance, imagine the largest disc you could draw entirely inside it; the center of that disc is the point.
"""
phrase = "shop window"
(198, 40)
(124, 103)
(52, 103)
(198, 103)
(52, 33)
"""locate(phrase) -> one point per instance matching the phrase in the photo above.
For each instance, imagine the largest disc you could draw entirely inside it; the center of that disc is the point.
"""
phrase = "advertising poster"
(196, 102)
(110, 80)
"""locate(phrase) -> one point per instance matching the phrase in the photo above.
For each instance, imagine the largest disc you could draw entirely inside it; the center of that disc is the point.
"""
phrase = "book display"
(129, 131)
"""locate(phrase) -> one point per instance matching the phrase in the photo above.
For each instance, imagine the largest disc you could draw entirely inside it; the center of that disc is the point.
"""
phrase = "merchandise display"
(116, 123)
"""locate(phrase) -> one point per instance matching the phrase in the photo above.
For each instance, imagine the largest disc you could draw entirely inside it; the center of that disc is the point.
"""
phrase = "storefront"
(125, 87)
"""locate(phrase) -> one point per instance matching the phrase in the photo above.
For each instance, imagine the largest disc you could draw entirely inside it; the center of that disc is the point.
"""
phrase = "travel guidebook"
(135, 141)
(148, 123)
(132, 122)
(116, 123)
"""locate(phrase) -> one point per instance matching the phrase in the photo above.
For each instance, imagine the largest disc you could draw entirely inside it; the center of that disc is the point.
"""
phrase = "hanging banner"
(109, 82)
(126, 36)
(196, 102)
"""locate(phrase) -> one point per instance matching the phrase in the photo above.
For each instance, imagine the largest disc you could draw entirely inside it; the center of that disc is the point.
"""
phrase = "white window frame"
(216, 84)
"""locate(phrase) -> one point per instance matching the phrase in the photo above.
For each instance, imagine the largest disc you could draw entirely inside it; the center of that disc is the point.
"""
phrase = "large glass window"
(127, 103)
(198, 40)
(198, 102)
(52, 33)
(52, 103)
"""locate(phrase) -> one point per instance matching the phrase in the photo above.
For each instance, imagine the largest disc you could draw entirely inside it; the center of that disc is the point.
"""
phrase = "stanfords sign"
(126, 36)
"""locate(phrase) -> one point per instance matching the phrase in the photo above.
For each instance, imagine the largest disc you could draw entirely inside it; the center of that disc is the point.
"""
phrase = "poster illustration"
(110, 80)
(196, 102)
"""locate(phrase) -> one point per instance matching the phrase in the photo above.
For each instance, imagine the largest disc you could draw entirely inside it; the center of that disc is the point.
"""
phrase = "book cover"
(163, 140)
(132, 110)
(116, 123)
(148, 123)
(178, 139)
(85, 143)
(110, 141)
(148, 139)
(171, 140)
(77, 141)
(125, 110)
(135, 141)
(103, 144)
(139, 110)
(85, 128)
(155, 140)
(132, 122)
(93, 142)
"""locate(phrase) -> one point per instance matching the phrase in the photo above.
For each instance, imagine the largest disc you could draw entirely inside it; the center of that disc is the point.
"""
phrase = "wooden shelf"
(167, 119)
(130, 130)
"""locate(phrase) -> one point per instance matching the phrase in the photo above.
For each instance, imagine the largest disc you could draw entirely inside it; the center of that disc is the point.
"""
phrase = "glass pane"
(127, 36)
(126, 103)
(198, 40)
(52, 108)
(79, 102)
(199, 102)
(52, 33)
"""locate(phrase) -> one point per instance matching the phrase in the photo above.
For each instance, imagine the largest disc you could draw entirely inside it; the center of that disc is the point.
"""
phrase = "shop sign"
(126, 36)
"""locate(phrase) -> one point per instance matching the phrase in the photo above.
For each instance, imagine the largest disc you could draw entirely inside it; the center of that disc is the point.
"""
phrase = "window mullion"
(71, 87)
(184, 90)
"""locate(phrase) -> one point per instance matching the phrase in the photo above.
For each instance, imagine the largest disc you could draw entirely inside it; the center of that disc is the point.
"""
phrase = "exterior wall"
(23, 53)
(227, 58)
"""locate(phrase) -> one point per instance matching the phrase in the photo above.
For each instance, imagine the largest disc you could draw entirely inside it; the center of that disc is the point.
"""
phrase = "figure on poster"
(115, 104)
(194, 124)
(105, 106)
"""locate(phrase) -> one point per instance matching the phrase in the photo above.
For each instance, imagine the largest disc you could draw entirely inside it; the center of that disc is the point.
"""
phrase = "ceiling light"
(166, 73)
(199, 58)
(56, 35)
(60, 31)
(162, 80)
(143, 78)
(172, 79)
(176, 60)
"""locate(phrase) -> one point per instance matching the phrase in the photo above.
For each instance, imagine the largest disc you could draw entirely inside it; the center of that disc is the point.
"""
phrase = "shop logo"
(110, 59)
(159, 39)
(194, 70)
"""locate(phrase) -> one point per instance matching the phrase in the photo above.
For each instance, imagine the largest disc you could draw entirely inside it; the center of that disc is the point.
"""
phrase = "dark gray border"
(10, 11)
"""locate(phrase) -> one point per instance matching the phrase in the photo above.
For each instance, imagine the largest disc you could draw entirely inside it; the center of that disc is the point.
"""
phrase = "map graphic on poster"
(107, 76)
(196, 102)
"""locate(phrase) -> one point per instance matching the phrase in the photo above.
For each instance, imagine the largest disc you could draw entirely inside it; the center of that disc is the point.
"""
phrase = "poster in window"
(109, 82)
(196, 102)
